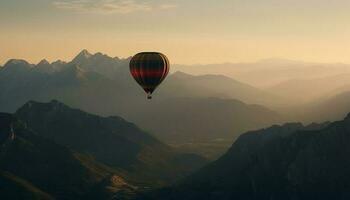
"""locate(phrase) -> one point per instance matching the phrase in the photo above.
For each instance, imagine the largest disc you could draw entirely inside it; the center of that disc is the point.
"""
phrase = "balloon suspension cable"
(149, 95)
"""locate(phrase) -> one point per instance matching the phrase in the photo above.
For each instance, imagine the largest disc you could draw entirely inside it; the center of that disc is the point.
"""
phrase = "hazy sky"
(197, 31)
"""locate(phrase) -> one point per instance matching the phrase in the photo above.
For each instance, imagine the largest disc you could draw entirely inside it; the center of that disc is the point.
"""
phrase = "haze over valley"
(185, 104)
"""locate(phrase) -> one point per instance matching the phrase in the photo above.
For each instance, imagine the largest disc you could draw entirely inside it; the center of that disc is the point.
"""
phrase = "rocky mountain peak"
(60, 62)
(17, 62)
(82, 56)
(43, 62)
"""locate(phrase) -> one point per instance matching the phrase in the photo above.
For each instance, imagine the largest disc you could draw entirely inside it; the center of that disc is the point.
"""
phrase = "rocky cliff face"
(6, 128)
(281, 162)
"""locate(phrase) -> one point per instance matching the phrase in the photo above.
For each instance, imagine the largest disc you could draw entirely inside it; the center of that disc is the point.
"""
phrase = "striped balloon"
(149, 69)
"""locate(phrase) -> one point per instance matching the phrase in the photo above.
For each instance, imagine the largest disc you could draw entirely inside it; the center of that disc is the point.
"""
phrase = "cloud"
(109, 6)
(167, 6)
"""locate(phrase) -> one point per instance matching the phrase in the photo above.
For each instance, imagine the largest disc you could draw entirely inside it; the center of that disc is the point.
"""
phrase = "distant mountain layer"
(335, 107)
(309, 90)
(48, 150)
(269, 72)
(100, 84)
(181, 84)
(201, 119)
(281, 162)
(330, 108)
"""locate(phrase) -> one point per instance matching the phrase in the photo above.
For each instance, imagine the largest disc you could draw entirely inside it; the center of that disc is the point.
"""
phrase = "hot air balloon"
(149, 69)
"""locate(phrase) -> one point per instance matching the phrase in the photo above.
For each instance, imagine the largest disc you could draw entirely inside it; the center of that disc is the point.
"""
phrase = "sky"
(187, 31)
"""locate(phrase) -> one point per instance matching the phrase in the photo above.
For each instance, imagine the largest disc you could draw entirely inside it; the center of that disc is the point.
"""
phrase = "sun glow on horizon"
(225, 31)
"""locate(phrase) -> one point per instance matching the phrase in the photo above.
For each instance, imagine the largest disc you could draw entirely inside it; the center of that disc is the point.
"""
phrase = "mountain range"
(267, 73)
(51, 151)
(88, 71)
(102, 85)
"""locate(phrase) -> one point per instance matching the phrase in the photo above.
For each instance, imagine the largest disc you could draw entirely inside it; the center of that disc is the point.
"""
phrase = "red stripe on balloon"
(152, 73)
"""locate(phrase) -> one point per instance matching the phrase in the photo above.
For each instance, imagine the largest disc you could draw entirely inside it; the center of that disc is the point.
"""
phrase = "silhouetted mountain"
(111, 141)
(55, 152)
(32, 166)
(287, 162)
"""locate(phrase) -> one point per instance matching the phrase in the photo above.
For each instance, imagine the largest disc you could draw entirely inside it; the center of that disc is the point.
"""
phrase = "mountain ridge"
(281, 162)
(109, 140)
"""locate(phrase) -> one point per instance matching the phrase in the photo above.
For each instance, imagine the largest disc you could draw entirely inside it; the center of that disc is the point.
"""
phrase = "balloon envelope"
(149, 69)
